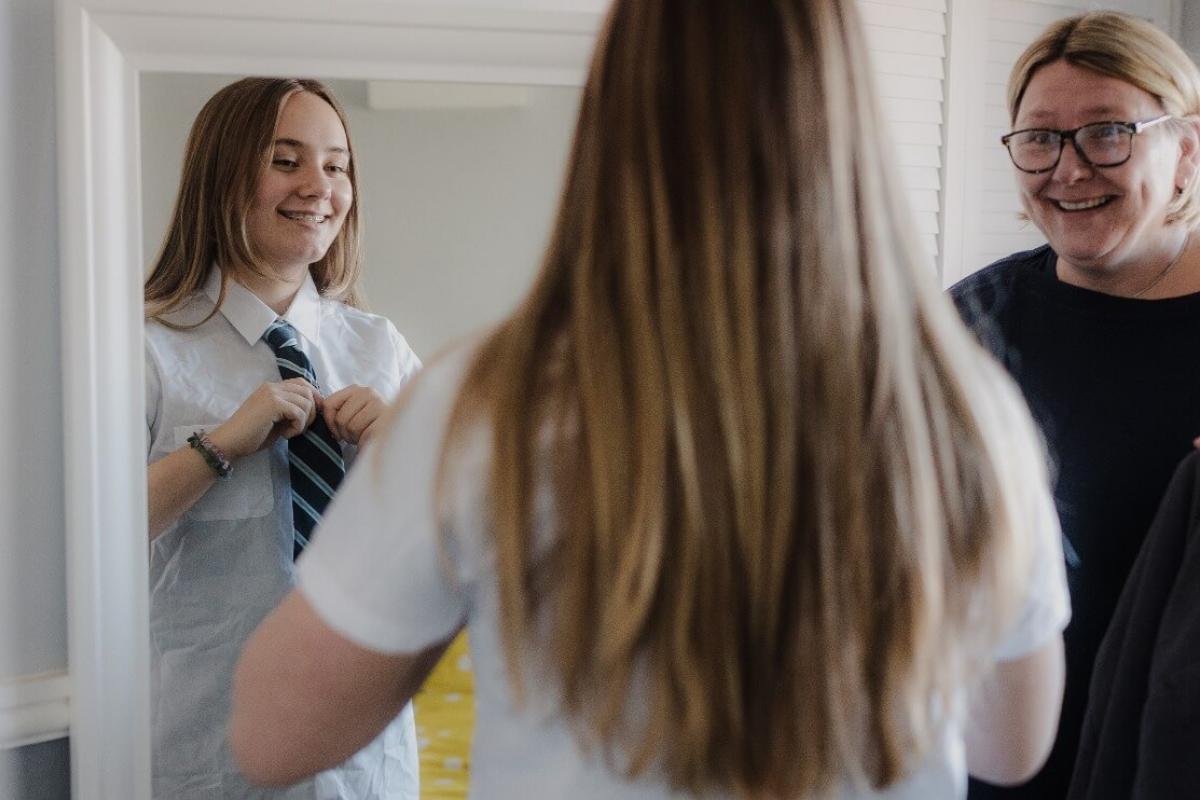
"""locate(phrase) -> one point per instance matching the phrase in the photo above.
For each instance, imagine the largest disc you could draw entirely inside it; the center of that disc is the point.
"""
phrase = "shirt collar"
(251, 317)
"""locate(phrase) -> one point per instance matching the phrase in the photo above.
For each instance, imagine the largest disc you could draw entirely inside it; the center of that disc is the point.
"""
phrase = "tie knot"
(281, 335)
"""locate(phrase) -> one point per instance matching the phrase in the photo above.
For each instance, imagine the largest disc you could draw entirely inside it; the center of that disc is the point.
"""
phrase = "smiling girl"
(263, 379)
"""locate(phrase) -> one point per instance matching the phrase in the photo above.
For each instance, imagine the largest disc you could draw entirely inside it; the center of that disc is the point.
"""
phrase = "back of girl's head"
(782, 492)
(228, 148)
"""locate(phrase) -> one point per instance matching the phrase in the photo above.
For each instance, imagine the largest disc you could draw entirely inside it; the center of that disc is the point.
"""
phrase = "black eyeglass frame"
(1133, 128)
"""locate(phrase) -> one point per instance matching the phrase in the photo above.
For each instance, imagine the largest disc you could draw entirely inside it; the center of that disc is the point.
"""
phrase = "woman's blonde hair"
(1129, 49)
(228, 149)
(786, 482)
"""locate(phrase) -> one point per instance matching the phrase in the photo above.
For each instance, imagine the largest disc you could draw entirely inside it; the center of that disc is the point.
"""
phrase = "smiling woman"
(1099, 327)
(1105, 203)
(262, 380)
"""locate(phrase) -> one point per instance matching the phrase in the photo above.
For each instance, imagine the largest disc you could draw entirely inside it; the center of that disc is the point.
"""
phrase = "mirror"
(105, 48)
(458, 185)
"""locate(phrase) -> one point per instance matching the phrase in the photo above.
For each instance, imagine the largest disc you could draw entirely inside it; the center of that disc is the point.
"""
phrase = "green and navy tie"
(314, 457)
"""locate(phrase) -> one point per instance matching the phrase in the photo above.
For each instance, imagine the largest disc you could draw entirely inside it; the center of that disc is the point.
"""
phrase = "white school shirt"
(378, 579)
(227, 561)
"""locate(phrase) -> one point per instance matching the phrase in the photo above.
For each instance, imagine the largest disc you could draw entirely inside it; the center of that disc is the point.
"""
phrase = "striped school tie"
(314, 457)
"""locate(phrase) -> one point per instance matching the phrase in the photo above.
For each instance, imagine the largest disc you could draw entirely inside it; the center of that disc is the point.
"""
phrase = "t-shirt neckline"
(1042, 270)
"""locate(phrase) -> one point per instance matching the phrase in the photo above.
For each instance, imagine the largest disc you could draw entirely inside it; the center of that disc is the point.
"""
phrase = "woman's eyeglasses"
(1100, 144)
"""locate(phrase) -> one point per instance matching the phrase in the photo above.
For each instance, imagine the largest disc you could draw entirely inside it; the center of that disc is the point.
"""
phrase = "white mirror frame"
(103, 45)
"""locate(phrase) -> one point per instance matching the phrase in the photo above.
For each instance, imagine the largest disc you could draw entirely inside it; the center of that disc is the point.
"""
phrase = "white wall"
(456, 203)
(33, 625)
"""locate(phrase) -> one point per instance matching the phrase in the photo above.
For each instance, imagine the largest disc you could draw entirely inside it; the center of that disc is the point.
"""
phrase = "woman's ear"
(1189, 153)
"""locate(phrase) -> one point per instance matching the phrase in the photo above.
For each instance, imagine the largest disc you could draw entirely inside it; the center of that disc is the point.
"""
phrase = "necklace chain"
(1159, 278)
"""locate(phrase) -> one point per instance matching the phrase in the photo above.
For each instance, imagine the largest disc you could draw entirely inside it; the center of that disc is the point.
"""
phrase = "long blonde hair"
(1124, 47)
(786, 480)
(228, 149)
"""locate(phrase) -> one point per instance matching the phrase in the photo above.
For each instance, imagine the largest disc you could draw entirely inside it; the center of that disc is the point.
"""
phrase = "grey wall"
(1190, 35)
(33, 635)
(37, 772)
(33, 621)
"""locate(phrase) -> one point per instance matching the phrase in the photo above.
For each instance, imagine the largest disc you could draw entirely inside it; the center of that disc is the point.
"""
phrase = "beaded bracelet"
(211, 453)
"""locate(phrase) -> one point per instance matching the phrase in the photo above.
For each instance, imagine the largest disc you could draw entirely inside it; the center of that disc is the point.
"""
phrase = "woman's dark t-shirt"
(1114, 384)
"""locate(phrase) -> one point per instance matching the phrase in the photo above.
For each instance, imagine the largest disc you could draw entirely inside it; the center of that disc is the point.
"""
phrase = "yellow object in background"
(445, 712)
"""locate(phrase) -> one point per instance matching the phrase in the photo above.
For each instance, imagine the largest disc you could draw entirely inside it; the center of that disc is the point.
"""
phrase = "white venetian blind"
(1011, 25)
(907, 39)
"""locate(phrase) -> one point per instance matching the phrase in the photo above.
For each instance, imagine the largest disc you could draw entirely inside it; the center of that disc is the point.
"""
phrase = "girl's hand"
(351, 413)
(283, 408)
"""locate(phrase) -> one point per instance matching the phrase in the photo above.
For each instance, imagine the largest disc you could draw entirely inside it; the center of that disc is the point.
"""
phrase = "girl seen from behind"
(732, 504)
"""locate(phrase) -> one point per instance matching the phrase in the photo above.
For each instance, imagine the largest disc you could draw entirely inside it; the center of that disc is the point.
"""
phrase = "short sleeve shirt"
(218, 570)
(392, 580)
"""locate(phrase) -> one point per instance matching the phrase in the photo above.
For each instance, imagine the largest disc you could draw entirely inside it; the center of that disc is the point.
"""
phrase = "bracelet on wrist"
(212, 454)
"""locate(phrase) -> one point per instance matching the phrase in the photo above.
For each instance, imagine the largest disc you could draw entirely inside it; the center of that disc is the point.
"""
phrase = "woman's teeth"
(1082, 205)
(303, 217)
